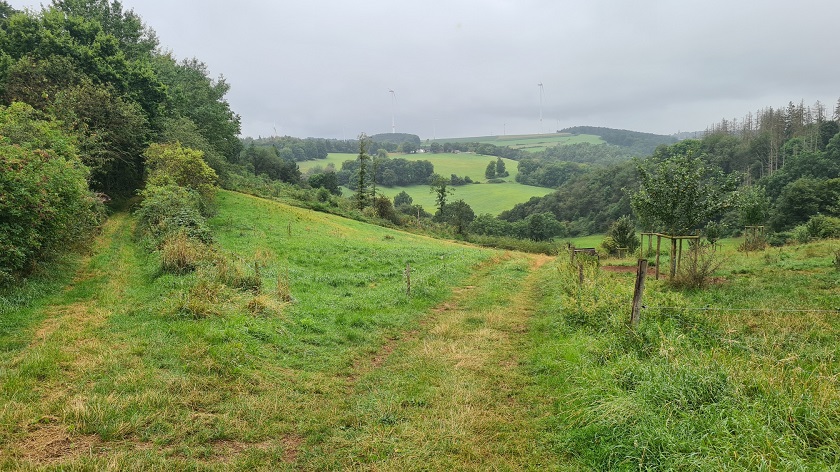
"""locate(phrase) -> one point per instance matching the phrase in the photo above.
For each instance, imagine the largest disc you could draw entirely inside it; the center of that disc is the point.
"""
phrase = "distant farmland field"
(530, 142)
(483, 198)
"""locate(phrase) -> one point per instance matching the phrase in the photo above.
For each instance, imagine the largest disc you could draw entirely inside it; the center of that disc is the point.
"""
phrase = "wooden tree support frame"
(676, 249)
(591, 251)
(751, 235)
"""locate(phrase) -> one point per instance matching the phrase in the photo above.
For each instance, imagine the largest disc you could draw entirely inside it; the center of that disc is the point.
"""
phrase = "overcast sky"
(471, 67)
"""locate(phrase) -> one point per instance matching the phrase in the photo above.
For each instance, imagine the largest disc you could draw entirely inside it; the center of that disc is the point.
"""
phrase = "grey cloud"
(462, 67)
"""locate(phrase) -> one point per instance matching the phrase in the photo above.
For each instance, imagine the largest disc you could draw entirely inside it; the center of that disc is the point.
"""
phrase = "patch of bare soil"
(291, 447)
(50, 443)
(626, 269)
(227, 450)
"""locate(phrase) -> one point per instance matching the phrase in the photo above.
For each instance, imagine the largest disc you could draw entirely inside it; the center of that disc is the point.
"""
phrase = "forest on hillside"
(786, 161)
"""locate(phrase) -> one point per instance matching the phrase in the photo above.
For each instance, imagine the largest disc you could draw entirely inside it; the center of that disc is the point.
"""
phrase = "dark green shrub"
(823, 227)
(778, 239)
(623, 232)
(45, 204)
(609, 245)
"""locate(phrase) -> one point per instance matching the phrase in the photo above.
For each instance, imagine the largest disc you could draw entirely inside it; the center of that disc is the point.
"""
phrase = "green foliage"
(587, 203)
(753, 206)
(441, 188)
(113, 133)
(623, 233)
(823, 227)
(547, 173)
(191, 93)
(96, 67)
(172, 164)
(264, 160)
(385, 209)
(362, 179)
(804, 198)
(326, 180)
(713, 232)
(609, 245)
(171, 209)
(402, 198)
(459, 214)
(396, 139)
(183, 130)
(680, 193)
(640, 144)
(501, 171)
(45, 205)
(490, 172)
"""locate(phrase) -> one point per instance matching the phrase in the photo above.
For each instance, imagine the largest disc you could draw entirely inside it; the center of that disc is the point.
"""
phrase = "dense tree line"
(308, 149)
(396, 139)
(482, 148)
(587, 202)
(387, 172)
(97, 69)
(542, 173)
(588, 153)
(638, 144)
(85, 93)
(787, 161)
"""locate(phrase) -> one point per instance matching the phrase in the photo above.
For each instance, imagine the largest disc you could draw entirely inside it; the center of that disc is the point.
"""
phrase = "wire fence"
(765, 310)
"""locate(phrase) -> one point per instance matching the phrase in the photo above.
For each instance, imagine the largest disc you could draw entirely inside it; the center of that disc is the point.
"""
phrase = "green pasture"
(530, 142)
(462, 164)
(482, 198)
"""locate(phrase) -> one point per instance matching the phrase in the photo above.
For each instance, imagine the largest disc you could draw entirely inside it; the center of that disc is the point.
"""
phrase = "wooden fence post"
(658, 244)
(407, 278)
(638, 291)
(673, 257)
(580, 273)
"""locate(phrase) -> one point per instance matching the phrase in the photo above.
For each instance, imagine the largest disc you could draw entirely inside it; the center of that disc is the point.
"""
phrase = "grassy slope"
(498, 360)
(112, 371)
(483, 198)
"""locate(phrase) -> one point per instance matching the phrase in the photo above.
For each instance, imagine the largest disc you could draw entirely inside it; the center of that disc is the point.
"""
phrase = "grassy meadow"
(531, 142)
(304, 352)
(483, 198)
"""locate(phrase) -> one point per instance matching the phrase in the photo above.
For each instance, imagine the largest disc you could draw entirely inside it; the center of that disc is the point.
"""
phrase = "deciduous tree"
(681, 193)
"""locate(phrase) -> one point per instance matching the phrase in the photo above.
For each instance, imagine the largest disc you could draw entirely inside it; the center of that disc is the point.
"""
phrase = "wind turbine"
(393, 110)
(540, 85)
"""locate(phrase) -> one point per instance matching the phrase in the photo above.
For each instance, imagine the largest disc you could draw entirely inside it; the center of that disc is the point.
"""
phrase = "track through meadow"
(106, 379)
(451, 394)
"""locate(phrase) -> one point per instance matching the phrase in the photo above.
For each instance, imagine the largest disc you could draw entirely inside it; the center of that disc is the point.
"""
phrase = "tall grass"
(697, 385)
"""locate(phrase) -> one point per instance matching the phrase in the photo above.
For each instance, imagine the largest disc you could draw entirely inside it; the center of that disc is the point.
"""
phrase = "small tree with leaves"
(490, 172)
(459, 214)
(402, 198)
(500, 168)
(623, 233)
(362, 188)
(442, 189)
(680, 194)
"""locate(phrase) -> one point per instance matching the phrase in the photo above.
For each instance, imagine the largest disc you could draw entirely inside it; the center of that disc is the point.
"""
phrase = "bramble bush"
(169, 210)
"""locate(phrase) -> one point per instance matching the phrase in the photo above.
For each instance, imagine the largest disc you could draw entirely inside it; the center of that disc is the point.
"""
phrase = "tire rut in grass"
(448, 394)
(66, 339)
